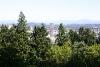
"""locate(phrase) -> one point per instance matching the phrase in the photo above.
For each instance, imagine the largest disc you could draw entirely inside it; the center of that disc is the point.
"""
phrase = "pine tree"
(23, 40)
(61, 36)
(73, 36)
(21, 28)
(8, 50)
(81, 33)
(4, 36)
(40, 42)
(98, 39)
(87, 36)
(22, 25)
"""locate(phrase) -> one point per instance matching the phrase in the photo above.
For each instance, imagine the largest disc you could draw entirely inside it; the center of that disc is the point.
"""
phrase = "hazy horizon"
(53, 21)
(51, 10)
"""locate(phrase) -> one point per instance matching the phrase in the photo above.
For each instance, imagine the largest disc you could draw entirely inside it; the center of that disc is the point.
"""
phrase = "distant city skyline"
(50, 10)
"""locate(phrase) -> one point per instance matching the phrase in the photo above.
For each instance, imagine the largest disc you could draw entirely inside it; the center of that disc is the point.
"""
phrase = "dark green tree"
(40, 42)
(73, 36)
(8, 50)
(16, 39)
(22, 25)
(3, 35)
(98, 39)
(23, 41)
(89, 37)
(61, 36)
(81, 33)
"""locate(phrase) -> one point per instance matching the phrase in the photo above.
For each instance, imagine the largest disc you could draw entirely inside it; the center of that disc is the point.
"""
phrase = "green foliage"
(86, 56)
(40, 42)
(22, 26)
(18, 48)
(9, 58)
(92, 52)
(23, 42)
(60, 54)
(98, 39)
(16, 38)
(8, 50)
(61, 36)
(81, 33)
(87, 36)
(73, 36)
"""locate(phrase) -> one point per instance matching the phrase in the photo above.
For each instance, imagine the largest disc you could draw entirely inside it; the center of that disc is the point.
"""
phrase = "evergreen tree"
(73, 36)
(8, 50)
(22, 25)
(98, 39)
(3, 36)
(23, 40)
(89, 37)
(81, 30)
(81, 33)
(40, 42)
(61, 36)
(15, 42)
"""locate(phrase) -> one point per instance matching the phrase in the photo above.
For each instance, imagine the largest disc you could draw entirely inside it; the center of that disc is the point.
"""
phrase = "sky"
(45, 10)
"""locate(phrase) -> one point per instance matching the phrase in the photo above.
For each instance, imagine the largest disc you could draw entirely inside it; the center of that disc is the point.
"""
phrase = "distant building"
(9, 26)
(52, 34)
(96, 30)
(30, 30)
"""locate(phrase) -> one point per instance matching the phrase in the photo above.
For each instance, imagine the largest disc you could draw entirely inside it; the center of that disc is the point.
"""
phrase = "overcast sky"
(41, 10)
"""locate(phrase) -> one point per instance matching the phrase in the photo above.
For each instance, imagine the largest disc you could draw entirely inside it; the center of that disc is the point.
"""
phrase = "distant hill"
(54, 24)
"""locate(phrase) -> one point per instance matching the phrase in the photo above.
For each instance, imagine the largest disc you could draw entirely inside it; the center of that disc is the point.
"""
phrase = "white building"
(52, 35)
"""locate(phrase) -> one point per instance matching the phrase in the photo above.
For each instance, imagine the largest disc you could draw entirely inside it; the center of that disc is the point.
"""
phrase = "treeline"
(19, 48)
